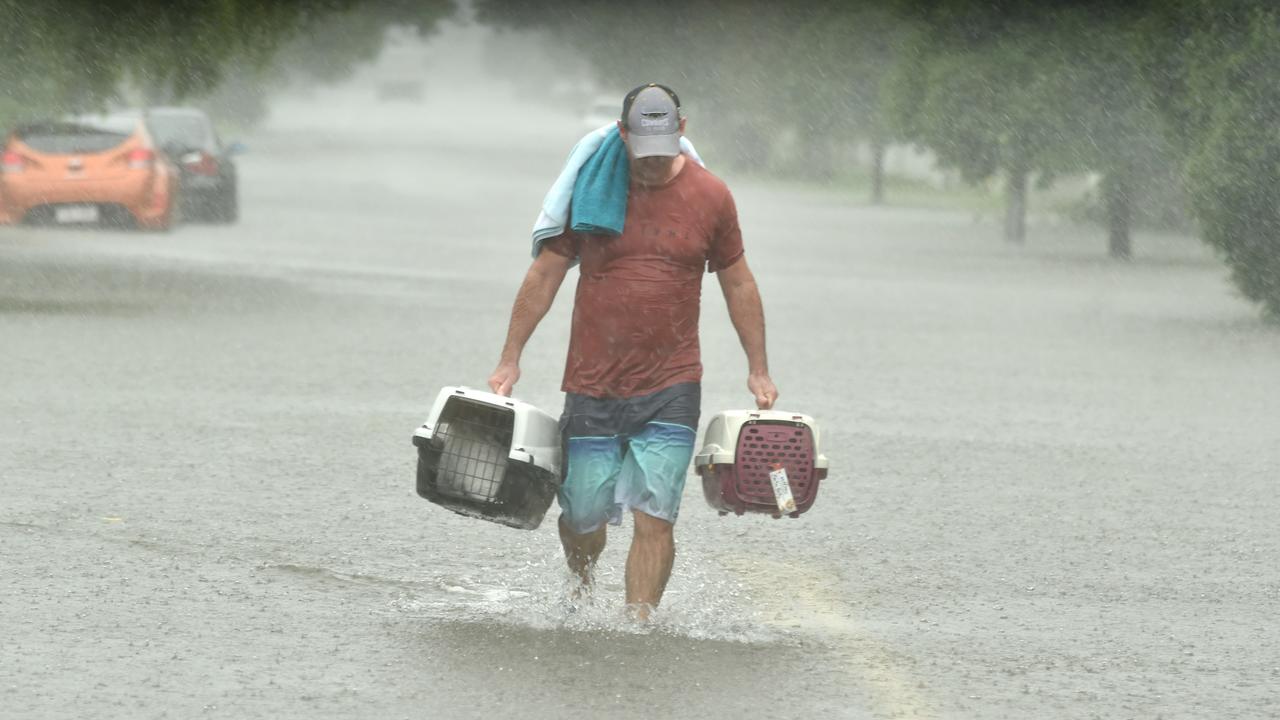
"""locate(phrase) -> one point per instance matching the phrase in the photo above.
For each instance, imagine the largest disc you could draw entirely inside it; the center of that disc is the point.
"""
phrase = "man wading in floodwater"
(631, 382)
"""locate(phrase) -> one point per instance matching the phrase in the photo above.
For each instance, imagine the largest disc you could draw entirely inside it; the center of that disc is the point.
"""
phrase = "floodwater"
(1053, 486)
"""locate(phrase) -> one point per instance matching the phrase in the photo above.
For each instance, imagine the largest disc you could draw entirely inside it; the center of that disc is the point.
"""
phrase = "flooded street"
(1052, 490)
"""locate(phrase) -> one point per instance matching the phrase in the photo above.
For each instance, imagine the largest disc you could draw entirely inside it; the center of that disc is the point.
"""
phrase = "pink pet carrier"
(761, 461)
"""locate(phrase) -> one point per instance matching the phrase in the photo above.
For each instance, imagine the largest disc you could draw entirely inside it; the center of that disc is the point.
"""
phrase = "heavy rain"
(1019, 265)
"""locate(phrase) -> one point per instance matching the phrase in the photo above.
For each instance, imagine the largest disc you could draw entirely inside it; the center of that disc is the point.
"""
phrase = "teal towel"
(600, 192)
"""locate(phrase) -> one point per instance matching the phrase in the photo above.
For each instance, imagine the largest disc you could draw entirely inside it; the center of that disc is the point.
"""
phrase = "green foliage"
(1142, 94)
(765, 84)
(64, 56)
(1011, 88)
(1233, 144)
(1126, 91)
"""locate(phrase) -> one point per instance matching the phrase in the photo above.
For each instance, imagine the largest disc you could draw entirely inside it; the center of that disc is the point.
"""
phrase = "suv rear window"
(70, 138)
(185, 132)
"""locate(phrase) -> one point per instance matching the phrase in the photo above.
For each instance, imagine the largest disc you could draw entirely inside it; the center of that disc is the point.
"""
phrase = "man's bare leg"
(582, 551)
(653, 552)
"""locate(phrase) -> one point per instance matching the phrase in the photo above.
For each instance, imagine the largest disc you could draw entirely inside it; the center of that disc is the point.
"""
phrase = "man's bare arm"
(747, 313)
(536, 294)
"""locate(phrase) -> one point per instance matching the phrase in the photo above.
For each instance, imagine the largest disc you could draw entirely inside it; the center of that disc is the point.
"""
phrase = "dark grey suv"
(208, 178)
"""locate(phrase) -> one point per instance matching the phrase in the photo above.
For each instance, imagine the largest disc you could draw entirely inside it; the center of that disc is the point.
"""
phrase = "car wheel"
(227, 206)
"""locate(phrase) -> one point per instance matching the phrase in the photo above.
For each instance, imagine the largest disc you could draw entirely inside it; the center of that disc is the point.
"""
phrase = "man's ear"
(683, 121)
(622, 130)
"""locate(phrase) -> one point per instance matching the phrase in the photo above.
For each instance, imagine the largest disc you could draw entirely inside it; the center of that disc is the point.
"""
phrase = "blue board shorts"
(626, 454)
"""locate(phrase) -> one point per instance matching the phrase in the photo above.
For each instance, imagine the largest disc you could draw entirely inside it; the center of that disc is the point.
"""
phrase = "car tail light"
(12, 162)
(200, 163)
(140, 158)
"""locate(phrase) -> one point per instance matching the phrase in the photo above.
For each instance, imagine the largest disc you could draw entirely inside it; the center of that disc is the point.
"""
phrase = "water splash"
(700, 605)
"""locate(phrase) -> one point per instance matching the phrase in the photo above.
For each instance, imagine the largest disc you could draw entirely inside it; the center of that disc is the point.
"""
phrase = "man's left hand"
(762, 387)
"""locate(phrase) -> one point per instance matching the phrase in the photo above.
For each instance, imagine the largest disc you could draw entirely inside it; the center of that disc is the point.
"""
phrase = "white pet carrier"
(489, 456)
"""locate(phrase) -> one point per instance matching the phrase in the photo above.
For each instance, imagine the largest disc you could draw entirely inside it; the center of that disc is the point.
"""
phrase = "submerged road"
(1053, 487)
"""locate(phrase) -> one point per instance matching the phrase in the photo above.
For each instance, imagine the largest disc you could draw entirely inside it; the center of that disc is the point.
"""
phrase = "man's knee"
(650, 527)
(569, 529)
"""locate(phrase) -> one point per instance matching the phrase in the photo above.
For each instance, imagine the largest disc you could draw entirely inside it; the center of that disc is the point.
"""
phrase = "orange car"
(87, 170)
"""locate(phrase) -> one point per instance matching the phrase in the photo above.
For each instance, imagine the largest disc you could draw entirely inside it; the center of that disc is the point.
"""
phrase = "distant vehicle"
(399, 71)
(87, 170)
(208, 173)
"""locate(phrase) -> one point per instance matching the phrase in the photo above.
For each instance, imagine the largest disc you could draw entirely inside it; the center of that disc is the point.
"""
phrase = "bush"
(1233, 170)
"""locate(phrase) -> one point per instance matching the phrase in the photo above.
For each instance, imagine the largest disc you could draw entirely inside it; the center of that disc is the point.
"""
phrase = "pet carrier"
(761, 461)
(489, 456)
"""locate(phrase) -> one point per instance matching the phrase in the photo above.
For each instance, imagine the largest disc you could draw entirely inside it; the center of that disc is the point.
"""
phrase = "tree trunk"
(1015, 219)
(1115, 191)
(877, 171)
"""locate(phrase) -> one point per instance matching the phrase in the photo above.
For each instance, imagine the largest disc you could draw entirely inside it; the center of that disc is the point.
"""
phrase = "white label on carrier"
(782, 489)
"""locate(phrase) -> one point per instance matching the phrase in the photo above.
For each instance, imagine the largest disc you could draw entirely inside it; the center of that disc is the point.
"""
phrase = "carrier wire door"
(489, 456)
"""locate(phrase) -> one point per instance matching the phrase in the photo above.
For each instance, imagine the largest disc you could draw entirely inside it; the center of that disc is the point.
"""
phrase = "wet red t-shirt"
(635, 315)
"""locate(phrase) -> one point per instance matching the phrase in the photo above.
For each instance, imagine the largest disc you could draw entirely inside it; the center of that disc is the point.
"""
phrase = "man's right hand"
(504, 378)
(763, 388)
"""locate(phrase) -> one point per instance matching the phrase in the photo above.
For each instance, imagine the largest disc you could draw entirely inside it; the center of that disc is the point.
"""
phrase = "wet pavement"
(1053, 487)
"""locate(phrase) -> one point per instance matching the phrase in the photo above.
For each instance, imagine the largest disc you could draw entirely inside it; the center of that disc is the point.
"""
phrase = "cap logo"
(659, 121)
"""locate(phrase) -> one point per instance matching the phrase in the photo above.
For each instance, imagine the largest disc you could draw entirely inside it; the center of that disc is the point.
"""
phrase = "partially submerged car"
(208, 172)
(90, 169)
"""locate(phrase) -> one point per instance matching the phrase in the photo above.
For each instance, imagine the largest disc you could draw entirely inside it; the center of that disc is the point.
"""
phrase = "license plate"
(76, 214)
(782, 489)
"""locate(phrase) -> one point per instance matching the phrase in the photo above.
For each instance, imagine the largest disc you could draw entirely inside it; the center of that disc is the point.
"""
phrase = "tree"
(985, 93)
(1214, 66)
(72, 55)
(768, 85)
(1014, 88)
(832, 68)
(1113, 127)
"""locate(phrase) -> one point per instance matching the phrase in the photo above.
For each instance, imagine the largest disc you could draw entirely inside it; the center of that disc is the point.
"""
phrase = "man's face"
(650, 170)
